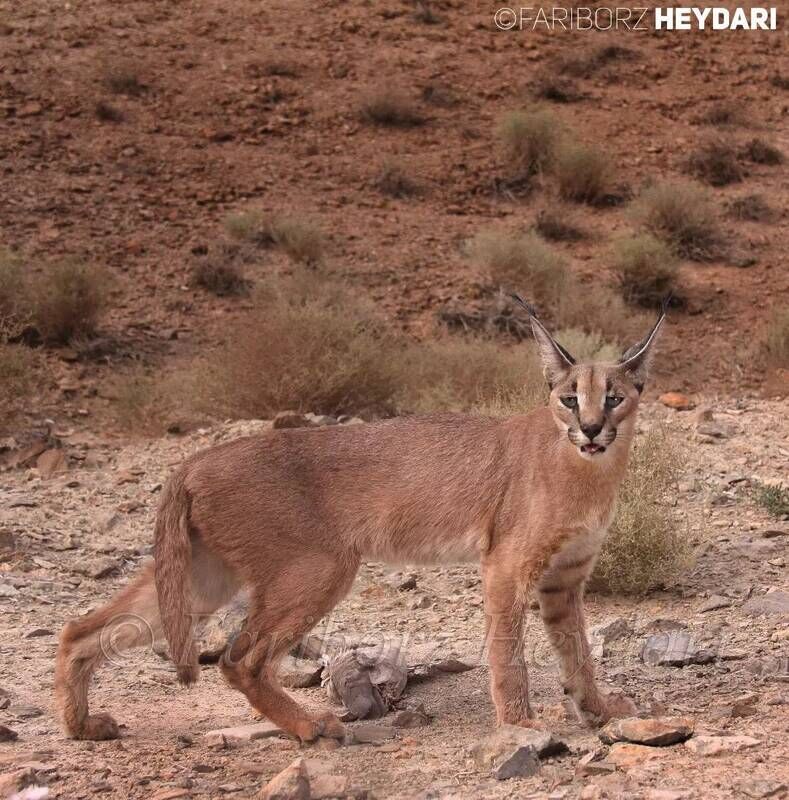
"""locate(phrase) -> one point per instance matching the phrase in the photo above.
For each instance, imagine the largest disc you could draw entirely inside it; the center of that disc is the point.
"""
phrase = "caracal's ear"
(636, 359)
(556, 361)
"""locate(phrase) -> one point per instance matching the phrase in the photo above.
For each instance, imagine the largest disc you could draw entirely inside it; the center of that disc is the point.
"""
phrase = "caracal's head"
(594, 403)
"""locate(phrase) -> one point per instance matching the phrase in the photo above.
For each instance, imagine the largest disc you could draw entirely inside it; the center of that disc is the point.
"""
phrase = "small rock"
(673, 649)
(50, 462)
(16, 781)
(321, 420)
(7, 735)
(414, 717)
(25, 712)
(594, 763)
(703, 414)
(246, 733)
(715, 745)
(762, 788)
(627, 754)
(373, 734)
(677, 401)
(36, 633)
(655, 732)
(420, 601)
(512, 751)
(712, 430)
(292, 783)
(6, 590)
(22, 501)
(715, 602)
(772, 603)
(97, 568)
(299, 673)
(611, 630)
(290, 419)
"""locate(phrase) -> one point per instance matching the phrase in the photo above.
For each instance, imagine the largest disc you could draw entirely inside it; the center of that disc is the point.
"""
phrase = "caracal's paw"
(98, 727)
(330, 726)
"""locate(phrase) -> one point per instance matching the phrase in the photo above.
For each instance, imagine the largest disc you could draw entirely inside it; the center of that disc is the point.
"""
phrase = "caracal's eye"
(613, 400)
(569, 401)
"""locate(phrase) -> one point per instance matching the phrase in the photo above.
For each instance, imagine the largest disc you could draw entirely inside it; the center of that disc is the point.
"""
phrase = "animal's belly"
(428, 547)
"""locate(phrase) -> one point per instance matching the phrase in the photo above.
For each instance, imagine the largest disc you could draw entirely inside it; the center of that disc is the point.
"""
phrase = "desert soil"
(95, 518)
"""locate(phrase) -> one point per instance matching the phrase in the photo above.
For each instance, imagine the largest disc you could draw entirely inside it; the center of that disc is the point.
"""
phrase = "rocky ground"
(68, 540)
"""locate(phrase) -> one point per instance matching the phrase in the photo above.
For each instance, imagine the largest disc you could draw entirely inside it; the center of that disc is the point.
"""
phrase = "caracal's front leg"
(505, 607)
(562, 612)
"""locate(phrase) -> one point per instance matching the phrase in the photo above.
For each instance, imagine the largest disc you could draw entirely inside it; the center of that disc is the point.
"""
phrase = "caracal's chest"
(584, 537)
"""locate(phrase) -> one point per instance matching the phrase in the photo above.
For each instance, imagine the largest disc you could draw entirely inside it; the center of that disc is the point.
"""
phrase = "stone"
(323, 787)
(703, 414)
(25, 712)
(292, 783)
(714, 602)
(7, 735)
(414, 717)
(16, 781)
(245, 733)
(773, 603)
(655, 731)
(673, 649)
(762, 788)
(98, 568)
(594, 763)
(432, 659)
(37, 633)
(711, 430)
(420, 601)
(290, 419)
(677, 401)
(50, 462)
(715, 745)
(170, 794)
(627, 754)
(300, 673)
(7, 590)
(611, 630)
(512, 751)
(373, 734)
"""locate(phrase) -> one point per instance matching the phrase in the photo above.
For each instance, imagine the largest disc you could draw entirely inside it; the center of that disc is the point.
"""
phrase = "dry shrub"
(424, 13)
(327, 354)
(300, 238)
(523, 262)
(106, 112)
(463, 373)
(529, 139)
(67, 298)
(220, 270)
(122, 76)
(761, 152)
(556, 224)
(725, 114)
(14, 301)
(583, 173)
(776, 343)
(557, 88)
(715, 162)
(439, 95)
(646, 268)
(773, 499)
(391, 108)
(645, 546)
(142, 399)
(751, 208)
(585, 346)
(394, 181)
(683, 215)
(780, 82)
(19, 376)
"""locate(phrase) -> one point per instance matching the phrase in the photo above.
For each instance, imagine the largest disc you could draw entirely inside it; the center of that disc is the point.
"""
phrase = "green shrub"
(773, 499)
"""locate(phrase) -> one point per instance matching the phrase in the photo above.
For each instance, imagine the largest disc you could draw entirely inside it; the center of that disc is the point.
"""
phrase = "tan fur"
(290, 515)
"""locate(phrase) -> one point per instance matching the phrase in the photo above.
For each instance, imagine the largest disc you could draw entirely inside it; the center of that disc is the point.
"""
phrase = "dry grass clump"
(67, 299)
(683, 215)
(724, 114)
(106, 112)
(556, 224)
(529, 140)
(122, 76)
(439, 95)
(221, 270)
(646, 268)
(761, 152)
(424, 13)
(142, 400)
(715, 163)
(751, 208)
(391, 108)
(585, 346)
(556, 88)
(780, 82)
(14, 303)
(394, 181)
(583, 173)
(19, 375)
(776, 343)
(300, 238)
(521, 261)
(645, 547)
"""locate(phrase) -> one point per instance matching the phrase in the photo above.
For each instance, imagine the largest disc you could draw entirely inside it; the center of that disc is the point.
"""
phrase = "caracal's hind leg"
(130, 619)
(291, 602)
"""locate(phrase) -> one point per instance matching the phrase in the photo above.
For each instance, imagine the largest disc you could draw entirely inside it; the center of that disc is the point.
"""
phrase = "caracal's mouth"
(592, 449)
